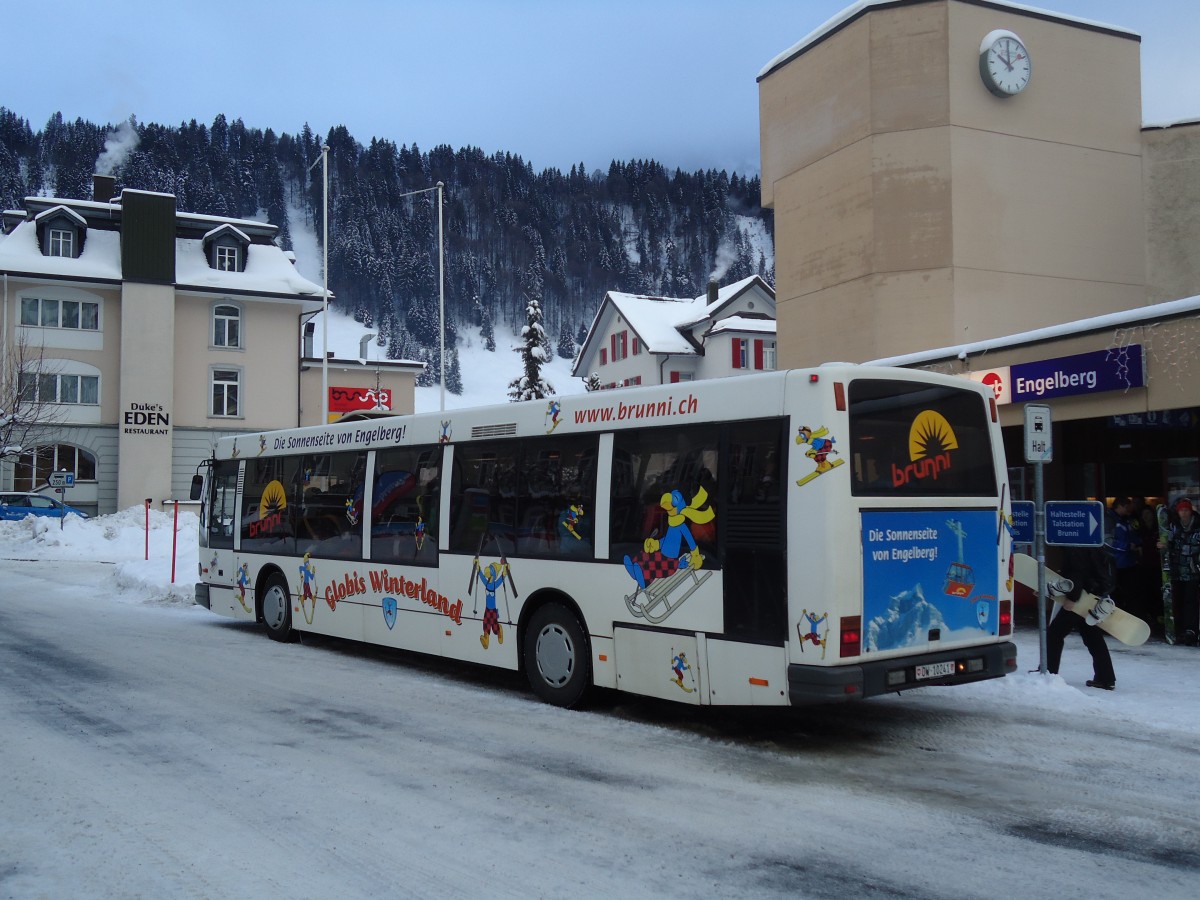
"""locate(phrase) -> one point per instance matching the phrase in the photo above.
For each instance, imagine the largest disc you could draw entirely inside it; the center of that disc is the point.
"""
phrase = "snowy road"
(151, 749)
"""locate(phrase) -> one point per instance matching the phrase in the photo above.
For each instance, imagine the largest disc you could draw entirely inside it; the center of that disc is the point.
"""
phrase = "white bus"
(777, 539)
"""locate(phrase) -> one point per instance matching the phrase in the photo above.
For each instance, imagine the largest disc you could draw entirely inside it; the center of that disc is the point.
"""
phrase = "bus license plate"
(935, 670)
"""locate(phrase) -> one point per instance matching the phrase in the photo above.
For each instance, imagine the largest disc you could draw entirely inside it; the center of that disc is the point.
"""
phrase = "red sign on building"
(348, 399)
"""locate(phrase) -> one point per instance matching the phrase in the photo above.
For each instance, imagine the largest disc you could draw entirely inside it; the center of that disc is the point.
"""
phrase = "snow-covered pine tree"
(454, 383)
(487, 330)
(566, 343)
(530, 385)
(428, 376)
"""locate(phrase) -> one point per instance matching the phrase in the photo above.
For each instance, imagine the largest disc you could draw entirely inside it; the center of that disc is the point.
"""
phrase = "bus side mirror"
(197, 486)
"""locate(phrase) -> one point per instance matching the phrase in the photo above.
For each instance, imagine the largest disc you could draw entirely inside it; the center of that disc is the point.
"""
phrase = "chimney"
(147, 237)
(712, 292)
(103, 188)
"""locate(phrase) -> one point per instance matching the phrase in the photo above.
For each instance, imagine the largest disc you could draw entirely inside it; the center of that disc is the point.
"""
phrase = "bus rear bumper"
(202, 596)
(839, 684)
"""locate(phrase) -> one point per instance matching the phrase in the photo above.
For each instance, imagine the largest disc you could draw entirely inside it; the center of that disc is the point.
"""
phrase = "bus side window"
(670, 510)
(558, 497)
(330, 502)
(484, 499)
(268, 505)
(404, 506)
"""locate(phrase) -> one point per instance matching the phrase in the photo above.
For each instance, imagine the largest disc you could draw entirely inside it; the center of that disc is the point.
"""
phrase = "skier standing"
(1183, 549)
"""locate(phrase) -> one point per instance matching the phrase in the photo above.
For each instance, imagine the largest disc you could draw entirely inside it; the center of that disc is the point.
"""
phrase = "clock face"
(1004, 64)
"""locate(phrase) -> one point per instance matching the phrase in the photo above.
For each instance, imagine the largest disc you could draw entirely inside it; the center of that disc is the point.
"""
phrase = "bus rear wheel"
(277, 609)
(558, 660)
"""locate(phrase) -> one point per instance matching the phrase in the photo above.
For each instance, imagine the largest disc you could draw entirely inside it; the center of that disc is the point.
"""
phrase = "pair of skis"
(1168, 600)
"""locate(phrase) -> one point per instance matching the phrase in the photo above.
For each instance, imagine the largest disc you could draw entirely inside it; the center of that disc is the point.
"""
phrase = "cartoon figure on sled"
(671, 562)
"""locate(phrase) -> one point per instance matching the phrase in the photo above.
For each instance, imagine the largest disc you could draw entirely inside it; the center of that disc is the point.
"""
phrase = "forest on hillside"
(511, 234)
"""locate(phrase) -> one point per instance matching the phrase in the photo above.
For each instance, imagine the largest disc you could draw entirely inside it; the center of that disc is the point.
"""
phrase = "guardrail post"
(174, 540)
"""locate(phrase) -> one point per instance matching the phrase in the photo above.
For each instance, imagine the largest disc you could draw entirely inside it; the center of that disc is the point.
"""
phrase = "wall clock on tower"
(1004, 63)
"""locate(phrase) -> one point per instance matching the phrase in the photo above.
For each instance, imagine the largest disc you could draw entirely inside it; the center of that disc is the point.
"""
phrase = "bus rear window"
(917, 440)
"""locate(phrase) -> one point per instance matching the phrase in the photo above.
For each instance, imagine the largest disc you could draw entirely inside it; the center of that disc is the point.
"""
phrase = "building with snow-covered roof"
(967, 185)
(150, 333)
(637, 339)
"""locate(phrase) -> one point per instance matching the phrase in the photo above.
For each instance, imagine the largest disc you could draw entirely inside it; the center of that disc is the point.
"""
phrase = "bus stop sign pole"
(1039, 450)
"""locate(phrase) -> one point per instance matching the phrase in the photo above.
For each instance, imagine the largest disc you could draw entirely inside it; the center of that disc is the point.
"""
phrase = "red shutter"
(674, 378)
(612, 343)
(737, 353)
(603, 356)
(758, 354)
(635, 347)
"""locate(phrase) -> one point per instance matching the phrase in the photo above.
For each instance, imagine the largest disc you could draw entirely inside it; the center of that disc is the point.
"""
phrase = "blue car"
(16, 505)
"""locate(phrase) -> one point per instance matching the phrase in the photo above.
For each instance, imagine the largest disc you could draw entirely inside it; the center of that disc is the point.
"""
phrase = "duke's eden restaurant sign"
(146, 418)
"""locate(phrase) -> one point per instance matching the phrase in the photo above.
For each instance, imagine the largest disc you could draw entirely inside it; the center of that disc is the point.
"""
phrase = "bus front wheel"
(277, 609)
(557, 658)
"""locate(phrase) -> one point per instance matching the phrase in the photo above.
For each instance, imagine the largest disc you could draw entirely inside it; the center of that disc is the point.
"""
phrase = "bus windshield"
(919, 440)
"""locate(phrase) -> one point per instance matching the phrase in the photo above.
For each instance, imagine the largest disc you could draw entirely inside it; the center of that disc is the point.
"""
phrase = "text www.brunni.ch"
(620, 412)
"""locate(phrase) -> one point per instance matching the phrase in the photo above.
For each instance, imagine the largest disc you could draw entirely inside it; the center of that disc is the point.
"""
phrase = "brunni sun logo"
(930, 440)
(270, 510)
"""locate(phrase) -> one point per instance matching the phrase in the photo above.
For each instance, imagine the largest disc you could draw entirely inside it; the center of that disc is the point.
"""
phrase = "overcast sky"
(555, 81)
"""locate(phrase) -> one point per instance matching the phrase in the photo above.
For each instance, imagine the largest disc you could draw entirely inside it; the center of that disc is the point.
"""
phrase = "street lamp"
(441, 191)
(324, 160)
(325, 292)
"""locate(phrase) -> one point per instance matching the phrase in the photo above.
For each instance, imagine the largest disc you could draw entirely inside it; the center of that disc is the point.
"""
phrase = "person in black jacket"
(1089, 570)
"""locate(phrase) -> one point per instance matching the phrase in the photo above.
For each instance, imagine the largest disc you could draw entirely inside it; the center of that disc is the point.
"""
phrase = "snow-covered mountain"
(907, 621)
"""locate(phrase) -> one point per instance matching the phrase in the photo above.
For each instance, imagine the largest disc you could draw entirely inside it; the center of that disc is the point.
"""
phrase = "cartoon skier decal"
(568, 522)
(492, 577)
(243, 580)
(814, 633)
(820, 446)
(663, 565)
(553, 408)
(308, 603)
(679, 665)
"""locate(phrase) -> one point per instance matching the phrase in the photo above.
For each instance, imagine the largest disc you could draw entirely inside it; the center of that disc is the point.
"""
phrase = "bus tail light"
(992, 404)
(851, 636)
(839, 396)
(1006, 617)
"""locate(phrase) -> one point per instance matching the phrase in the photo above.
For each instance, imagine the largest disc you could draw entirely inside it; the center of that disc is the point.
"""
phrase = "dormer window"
(61, 243)
(225, 247)
(61, 232)
(227, 259)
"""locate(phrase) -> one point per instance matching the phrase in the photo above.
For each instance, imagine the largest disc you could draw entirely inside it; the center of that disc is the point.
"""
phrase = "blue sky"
(555, 82)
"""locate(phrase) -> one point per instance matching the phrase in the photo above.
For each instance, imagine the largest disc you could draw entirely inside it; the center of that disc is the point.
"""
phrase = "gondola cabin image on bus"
(775, 539)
